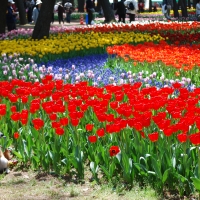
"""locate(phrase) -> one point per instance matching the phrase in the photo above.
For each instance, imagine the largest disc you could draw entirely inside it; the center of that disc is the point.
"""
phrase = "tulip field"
(121, 100)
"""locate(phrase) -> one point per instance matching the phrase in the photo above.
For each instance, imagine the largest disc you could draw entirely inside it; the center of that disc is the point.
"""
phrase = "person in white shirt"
(36, 11)
(68, 7)
(131, 11)
(198, 10)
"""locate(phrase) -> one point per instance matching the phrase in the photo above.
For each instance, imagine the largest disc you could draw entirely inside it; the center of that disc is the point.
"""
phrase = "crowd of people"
(122, 8)
(32, 8)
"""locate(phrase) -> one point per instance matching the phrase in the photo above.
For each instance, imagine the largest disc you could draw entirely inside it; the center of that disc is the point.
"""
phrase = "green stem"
(199, 166)
(198, 162)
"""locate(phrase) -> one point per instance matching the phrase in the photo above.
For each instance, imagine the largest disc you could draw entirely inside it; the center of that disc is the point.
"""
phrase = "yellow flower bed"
(64, 43)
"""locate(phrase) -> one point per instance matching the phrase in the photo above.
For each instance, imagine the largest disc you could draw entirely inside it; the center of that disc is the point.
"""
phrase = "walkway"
(56, 23)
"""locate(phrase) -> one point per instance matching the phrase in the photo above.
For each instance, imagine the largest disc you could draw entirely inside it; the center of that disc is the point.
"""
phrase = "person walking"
(60, 13)
(132, 8)
(11, 16)
(90, 10)
(36, 11)
(167, 6)
(198, 10)
(121, 11)
(29, 12)
(141, 6)
(68, 7)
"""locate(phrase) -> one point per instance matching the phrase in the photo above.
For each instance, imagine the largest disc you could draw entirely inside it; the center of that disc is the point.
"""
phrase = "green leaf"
(165, 175)
(157, 168)
(118, 156)
(50, 155)
(92, 167)
(25, 147)
(174, 162)
(64, 161)
(36, 159)
(182, 178)
(151, 172)
(17, 154)
(111, 169)
(196, 183)
(106, 172)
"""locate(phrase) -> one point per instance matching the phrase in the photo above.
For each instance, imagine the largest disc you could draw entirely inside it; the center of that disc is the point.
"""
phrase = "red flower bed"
(180, 57)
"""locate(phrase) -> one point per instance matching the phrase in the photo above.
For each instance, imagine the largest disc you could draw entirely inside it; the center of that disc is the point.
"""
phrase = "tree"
(107, 10)
(183, 4)
(175, 9)
(22, 11)
(3, 7)
(150, 5)
(189, 4)
(98, 8)
(42, 26)
(81, 4)
(194, 3)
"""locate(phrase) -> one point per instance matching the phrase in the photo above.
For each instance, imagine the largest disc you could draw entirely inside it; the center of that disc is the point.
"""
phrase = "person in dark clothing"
(11, 16)
(121, 11)
(90, 10)
(29, 11)
(60, 13)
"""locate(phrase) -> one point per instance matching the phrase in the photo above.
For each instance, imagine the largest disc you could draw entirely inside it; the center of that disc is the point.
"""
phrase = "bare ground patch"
(28, 185)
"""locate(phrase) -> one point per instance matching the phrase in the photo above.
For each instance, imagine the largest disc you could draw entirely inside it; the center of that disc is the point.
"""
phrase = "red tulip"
(114, 105)
(64, 121)
(56, 124)
(13, 98)
(168, 131)
(176, 85)
(153, 136)
(74, 122)
(49, 77)
(109, 117)
(92, 138)
(114, 150)
(24, 114)
(2, 109)
(16, 135)
(53, 117)
(38, 123)
(89, 127)
(195, 138)
(24, 121)
(182, 137)
(13, 109)
(59, 131)
(24, 99)
(142, 134)
(15, 116)
(100, 132)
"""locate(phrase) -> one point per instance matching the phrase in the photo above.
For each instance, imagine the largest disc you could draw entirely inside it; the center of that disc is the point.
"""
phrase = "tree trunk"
(22, 11)
(42, 26)
(81, 4)
(184, 8)
(98, 8)
(150, 5)
(175, 9)
(194, 3)
(189, 4)
(3, 7)
(107, 10)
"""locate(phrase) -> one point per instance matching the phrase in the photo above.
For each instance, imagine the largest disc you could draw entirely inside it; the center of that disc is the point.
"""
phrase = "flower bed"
(56, 126)
(117, 114)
